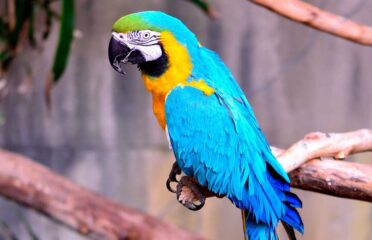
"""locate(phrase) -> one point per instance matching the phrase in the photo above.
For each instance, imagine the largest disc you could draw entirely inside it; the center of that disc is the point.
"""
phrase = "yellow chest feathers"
(178, 72)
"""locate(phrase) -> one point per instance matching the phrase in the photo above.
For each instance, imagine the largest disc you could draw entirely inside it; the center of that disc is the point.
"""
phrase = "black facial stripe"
(134, 35)
(144, 42)
(138, 41)
(155, 37)
(157, 67)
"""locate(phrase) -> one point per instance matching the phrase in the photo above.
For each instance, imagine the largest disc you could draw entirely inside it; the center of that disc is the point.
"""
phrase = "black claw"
(195, 207)
(176, 170)
(189, 205)
(173, 177)
(169, 187)
(198, 207)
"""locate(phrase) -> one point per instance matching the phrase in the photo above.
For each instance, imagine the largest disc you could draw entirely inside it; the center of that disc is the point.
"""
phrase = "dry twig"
(317, 18)
(317, 144)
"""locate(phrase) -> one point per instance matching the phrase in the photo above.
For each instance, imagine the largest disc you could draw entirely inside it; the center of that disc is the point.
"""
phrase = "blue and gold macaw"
(210, 125)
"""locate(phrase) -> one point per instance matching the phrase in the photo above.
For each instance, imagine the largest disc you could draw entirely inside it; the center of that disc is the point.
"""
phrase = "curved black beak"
(117, 53)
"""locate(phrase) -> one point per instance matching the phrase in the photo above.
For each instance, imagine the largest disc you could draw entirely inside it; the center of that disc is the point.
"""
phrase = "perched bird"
(210, 125)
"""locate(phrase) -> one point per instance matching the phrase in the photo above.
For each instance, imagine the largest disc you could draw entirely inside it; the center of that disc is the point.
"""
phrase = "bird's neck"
(162, 75)
(174, 70)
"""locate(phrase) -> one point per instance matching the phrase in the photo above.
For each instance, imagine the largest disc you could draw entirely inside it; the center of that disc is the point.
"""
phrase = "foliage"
(19, 13)
(205, 7)
(65, 39)
(17, 28)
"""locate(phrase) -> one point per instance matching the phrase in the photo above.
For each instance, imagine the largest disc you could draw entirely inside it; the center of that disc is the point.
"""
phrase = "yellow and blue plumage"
(212, 129)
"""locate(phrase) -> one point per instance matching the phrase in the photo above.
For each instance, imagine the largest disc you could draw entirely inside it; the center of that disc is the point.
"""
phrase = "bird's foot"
(190, 193)
(176, 170)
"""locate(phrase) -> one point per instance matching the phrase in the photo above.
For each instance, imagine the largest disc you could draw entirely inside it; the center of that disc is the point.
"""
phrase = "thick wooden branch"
(33, 185)
(336, 178)
(317, 18)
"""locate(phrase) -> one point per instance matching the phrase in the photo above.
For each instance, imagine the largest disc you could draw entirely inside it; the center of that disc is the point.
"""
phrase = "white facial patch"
(145, 41)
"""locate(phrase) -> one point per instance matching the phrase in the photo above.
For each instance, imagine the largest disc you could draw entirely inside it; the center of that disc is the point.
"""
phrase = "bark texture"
(33, 185)
(322, 20)
(336, 178)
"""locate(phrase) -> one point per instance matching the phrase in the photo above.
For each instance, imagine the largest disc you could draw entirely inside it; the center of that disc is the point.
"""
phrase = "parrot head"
(140, 38)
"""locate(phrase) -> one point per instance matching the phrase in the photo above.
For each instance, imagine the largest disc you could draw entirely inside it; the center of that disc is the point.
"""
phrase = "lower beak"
(117, 52)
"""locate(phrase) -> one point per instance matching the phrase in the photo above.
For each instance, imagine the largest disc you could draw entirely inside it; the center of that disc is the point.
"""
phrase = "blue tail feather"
(258, 230)
(293, 200)
(292, 218)
(289, 199)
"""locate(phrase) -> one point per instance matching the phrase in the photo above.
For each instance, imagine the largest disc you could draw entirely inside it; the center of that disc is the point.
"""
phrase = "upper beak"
(117, 52)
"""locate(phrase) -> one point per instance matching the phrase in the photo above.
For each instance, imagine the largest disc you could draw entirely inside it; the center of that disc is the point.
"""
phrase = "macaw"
(209, 123)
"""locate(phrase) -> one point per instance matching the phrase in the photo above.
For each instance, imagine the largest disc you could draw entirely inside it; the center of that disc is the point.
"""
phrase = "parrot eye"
(143, 38)
(146, 35)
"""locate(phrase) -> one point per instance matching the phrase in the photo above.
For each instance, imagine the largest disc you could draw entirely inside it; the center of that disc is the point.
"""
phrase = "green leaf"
(31, 27)
(22, 14)
(201, 4)
(3, 55)
(65, 39)
(205, 7)
(48, 18)
(3, 29)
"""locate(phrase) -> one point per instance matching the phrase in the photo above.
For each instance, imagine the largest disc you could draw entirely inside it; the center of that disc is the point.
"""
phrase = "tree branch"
(317, 18)
(33, 185)
(317, 144)
(336, 178)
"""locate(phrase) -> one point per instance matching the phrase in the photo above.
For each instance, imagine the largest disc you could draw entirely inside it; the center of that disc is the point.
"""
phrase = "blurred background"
(101, 133)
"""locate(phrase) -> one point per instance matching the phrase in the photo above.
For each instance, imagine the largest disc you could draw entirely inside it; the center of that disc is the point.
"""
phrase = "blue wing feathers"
(217, 140)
